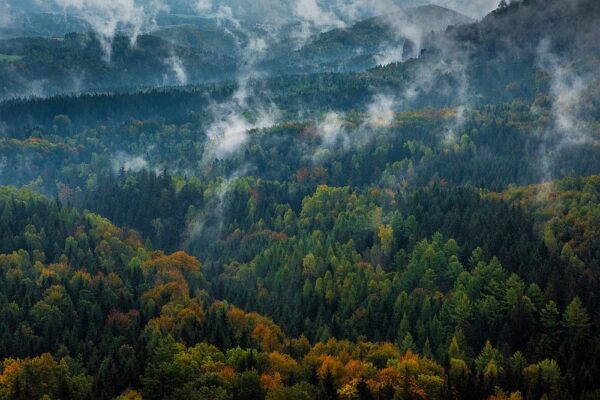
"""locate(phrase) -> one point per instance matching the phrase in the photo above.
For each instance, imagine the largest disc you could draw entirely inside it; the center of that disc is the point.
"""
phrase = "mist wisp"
(109, 17)
(568, 126)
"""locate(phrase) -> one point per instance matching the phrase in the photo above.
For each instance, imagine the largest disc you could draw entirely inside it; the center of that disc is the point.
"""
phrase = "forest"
(302, 222)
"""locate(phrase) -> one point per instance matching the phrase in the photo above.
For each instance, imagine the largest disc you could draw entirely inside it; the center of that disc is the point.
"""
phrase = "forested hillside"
(427, 228)
(72, 280)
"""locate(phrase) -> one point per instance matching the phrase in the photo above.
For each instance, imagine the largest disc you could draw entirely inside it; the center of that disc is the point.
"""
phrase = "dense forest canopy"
(202, 201)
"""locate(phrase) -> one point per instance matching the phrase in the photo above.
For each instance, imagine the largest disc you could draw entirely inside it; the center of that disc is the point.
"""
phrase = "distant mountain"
(516, 51)
(378, 40)
(264, 11)
(497, 59)
(44, 58)
(366, 44)
(208, 34)
(378, 34)
(42, 24)
(29, 6)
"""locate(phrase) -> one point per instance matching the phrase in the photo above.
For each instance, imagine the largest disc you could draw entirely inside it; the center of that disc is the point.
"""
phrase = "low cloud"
(311, 13)
(3, 164)
(568, 126)
(109, 17)
(389, 54)
(566, 91)
(331, 129)
(203, 6)
(337, 135)
(232, 126)
(177, 69)
(234, 118)
(380, 112)
(207, 224)
(5, 14)
(129, 163)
